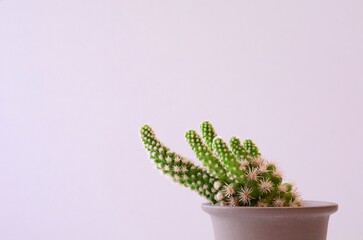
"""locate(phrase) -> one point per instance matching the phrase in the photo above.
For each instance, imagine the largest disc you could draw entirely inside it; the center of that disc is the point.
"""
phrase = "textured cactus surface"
(234, 175)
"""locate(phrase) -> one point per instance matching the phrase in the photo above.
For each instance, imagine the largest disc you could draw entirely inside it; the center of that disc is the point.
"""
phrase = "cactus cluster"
(231, 176)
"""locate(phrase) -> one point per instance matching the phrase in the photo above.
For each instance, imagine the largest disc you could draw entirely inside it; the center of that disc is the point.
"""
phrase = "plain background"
(78, 79)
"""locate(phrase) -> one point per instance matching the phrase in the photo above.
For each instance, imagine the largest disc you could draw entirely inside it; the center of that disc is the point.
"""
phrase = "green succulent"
(236, 175)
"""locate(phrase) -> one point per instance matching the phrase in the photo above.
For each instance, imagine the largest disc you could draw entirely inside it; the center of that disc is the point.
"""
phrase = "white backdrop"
(78, 79)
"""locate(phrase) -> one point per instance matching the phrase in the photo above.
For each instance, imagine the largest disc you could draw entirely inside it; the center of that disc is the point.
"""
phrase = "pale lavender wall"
(78, 78)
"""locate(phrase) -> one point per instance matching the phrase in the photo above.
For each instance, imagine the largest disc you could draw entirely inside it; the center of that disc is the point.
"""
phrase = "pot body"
(309, 222)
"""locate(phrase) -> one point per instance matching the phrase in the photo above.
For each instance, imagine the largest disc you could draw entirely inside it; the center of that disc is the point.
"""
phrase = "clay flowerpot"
(309, 222)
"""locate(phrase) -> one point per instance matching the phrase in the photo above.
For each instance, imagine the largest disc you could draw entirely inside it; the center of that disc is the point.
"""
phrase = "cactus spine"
(235, 176)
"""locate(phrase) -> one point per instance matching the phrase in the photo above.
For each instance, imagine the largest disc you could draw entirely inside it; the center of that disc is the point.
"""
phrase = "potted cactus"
(247, 198)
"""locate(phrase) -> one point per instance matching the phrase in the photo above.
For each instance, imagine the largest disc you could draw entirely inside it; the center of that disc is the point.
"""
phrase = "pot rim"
(308, 204)
(310, 208)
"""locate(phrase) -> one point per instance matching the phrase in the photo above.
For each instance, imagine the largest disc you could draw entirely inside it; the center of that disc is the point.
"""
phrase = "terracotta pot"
(309, 222)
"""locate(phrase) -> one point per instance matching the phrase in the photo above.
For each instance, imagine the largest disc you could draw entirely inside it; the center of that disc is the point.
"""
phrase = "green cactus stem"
(205, 154)
(178, 168)
(247, 151)
(235, 176)
(229, 160)
(208, 133)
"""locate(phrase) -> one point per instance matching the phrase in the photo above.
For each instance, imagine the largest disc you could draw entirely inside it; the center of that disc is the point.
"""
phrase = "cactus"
(235, 176)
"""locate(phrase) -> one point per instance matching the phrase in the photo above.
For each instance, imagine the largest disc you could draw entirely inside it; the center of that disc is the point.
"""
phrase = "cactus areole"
(234, 175)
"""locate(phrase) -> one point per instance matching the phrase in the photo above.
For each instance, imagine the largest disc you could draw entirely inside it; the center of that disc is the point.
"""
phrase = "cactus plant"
(235, 176)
